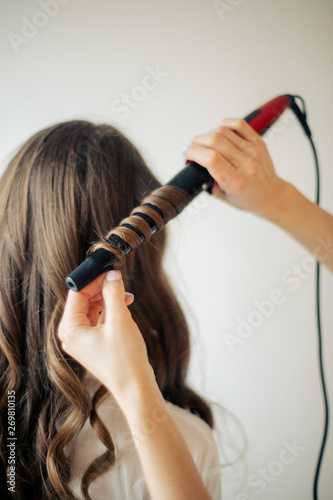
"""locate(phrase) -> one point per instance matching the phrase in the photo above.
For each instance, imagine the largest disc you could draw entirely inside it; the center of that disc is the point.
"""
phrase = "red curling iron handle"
(262, 118)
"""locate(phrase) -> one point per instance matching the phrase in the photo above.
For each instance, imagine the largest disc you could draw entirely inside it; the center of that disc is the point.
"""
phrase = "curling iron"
(193, 179)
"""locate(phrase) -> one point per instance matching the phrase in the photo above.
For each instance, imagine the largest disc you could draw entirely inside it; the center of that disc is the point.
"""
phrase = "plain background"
(218, 60)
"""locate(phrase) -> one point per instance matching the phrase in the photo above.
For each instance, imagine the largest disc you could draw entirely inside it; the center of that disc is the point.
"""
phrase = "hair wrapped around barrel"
(155, 211)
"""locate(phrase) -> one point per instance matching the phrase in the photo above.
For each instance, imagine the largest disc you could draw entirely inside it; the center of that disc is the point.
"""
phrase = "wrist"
(144, 410)
(137, 392)
(282, 199)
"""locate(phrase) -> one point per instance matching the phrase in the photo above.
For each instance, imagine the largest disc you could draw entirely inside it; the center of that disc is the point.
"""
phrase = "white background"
(220, 62)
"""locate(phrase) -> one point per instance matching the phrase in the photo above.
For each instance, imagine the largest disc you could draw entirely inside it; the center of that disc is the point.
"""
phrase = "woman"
(66, 204)
(75, 433)
(245, 177)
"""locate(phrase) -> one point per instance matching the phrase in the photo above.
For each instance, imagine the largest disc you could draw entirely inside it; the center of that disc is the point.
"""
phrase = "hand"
(98, 330)
(237, 158)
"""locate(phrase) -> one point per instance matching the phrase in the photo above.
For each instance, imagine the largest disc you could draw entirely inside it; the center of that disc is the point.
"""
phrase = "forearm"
(168, 466)
(309, 224)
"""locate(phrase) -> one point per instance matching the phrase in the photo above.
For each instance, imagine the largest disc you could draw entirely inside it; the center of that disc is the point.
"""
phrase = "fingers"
(231, 153)
(222, 139)
(87, 308)
(216, 191)
(215, 146)
(115, 298)
(76, 310)
(94, 313)
(94, 288)
(232, 146)
(129, 298)
(220, 151)
(217, 165)
(243, 129)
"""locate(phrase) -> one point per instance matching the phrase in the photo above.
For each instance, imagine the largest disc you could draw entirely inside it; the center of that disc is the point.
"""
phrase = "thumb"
(114, 295)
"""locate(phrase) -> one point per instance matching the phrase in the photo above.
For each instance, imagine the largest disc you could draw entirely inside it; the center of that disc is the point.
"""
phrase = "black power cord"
(301, 115)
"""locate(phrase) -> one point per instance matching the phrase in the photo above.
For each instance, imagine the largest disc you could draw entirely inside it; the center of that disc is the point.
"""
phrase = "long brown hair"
(65, 188)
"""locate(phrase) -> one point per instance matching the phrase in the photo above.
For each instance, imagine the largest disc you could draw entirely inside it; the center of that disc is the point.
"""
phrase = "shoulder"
(201, 442)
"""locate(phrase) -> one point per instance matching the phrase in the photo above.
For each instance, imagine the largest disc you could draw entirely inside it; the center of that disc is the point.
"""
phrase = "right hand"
(241, 165)
(97, 329)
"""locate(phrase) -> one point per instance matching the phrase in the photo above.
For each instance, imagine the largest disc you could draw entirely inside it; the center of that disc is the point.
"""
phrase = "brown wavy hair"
(65, 188)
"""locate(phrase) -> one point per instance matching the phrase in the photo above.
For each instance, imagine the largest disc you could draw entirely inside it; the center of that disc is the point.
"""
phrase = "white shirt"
(125, 480)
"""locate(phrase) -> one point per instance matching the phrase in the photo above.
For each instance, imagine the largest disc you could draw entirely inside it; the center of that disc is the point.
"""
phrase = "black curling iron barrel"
(193, 179)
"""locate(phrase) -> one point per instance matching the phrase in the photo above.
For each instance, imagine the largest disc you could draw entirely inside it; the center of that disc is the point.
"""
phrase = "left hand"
(98, 330)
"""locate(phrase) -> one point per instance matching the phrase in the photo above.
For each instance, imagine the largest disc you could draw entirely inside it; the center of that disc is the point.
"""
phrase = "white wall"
(216, 63)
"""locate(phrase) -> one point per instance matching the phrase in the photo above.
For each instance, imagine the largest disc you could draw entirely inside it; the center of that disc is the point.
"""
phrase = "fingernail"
(128, 294)
(112, 275)
(228, 122)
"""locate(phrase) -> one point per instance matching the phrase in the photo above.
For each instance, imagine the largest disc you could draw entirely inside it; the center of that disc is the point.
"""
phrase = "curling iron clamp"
(193, 179)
